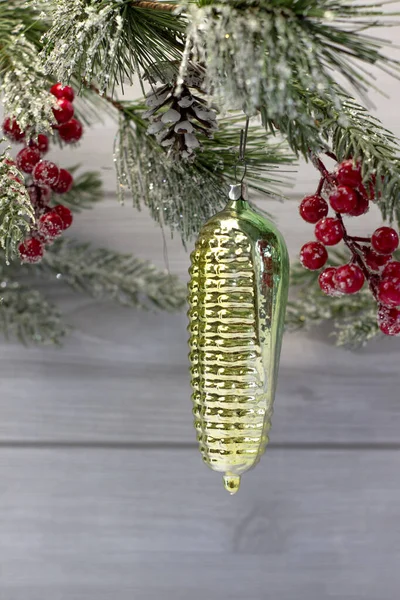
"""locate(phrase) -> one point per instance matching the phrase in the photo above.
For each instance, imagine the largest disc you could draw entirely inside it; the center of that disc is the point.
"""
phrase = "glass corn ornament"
(237, 296)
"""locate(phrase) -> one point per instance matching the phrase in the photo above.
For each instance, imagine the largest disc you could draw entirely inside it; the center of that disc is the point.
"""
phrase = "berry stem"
(351, 242)
(331, 155)
(320, 186)
(148, 5)
(355, 238)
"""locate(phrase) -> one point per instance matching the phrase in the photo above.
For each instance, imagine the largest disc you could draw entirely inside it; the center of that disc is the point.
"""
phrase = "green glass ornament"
(237, 295)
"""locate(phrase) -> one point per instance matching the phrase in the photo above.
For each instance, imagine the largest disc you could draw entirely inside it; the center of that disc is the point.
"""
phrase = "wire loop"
(242, 150)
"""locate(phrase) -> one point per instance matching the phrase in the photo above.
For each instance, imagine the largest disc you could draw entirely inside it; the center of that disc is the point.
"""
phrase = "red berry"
(313, 208)
(71, 132)
(389, 320)
(343, 199)
(65, 214)
(31, 250)
(50, 225)
(389, 291)
(12, 130)
(45, 173)
(41, 144)
(374, 260)
(361, 208)
(326, 282)
(64, 183)
(313, 256)
(329, 231)
(385, 240)
(27, 158)
(62, 91)
(64, 112)
(392, 269)
(349, 279)
(349, 173)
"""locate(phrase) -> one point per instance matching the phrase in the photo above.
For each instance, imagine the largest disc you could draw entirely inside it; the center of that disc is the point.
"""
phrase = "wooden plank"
(88, 524)
(122, 375)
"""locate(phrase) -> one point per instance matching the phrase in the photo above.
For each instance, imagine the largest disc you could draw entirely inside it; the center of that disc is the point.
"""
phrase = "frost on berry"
(349, 279)
(27, 158)
(389, 291)
(313, 208)
(374, 260)
(64, 183)
(344, 199)
(71, 131)
(65, 214)
(12, 130)
(385, 240)
(45, 173)
(41, 143)
(348, 173)
(329, 231)
(50, 226)
(389, 320)
(64, 111)
(313, 255)
(327, 283)
(361, 208)
(31, 250)
(392, 269)
(62, 91)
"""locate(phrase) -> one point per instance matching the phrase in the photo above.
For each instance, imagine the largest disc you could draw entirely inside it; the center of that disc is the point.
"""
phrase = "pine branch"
(28, 316)
(85, 193)
(23, 85)
(146, 4)
(255, 50)
(109, 275)
(109, 40)
(349, 132)
(183, 195)
(16, 213)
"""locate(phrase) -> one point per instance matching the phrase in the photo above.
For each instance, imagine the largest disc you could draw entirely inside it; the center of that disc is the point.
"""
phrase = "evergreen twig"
(109, 40)
(16, 213)
(26, 315)
(183, 195)
(108, 275)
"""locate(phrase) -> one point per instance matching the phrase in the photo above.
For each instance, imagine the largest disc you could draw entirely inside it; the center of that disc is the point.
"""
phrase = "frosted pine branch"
(16, 213)
(108, 41)
(26, 315)
(177, 194)
(255, 51)
(24, 86)
(109, 275)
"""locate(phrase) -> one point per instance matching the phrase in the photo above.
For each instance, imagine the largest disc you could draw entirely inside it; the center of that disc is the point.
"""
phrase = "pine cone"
(177, 116)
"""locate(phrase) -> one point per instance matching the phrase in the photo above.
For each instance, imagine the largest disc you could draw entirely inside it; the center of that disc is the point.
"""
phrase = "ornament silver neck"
(237, 196)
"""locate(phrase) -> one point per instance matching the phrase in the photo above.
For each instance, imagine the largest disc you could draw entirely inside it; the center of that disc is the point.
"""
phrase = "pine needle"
(109, 275)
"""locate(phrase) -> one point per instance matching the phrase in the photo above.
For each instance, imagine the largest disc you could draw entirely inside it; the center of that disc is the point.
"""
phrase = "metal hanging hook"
(242, 150)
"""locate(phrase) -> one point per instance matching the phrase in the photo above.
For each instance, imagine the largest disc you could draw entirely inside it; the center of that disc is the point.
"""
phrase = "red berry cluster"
(371, 257)
(45, 177)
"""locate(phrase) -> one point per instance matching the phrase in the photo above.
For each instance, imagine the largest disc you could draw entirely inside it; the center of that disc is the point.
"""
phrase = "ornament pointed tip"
(232, 483)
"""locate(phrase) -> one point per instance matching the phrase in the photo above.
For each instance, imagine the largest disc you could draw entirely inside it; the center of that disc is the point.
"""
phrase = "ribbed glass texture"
(237, 297)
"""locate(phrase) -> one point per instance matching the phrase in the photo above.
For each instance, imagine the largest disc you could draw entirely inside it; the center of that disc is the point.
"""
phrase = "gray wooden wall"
(102, 491)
